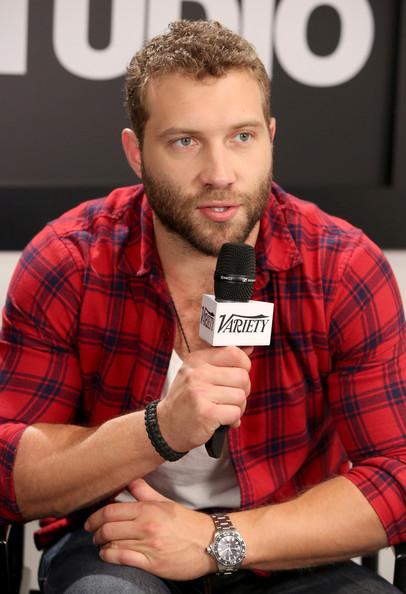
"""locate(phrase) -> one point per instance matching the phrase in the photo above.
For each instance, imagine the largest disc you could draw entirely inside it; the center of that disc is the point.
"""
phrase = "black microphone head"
(234, 276)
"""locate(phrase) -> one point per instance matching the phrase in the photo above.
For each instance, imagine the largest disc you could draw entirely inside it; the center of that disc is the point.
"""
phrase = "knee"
(141, 583)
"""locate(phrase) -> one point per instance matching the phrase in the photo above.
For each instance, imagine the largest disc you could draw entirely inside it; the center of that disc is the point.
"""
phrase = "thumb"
(142, 491)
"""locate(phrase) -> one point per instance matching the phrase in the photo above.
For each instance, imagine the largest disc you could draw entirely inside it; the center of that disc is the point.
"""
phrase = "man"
(101, 324)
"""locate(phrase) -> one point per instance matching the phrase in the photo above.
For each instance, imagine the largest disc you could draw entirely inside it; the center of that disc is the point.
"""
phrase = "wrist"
(228, 547)
(206, 535)
(168, 418)
(248, 524)
(155, 436)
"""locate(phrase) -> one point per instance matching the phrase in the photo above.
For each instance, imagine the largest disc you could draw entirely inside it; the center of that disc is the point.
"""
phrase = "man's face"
(206, 157)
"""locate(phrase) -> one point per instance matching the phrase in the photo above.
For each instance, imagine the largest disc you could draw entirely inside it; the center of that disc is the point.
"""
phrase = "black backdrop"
(342, 146)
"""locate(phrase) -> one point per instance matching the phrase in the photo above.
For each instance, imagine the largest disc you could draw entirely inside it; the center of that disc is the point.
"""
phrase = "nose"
(217, 169)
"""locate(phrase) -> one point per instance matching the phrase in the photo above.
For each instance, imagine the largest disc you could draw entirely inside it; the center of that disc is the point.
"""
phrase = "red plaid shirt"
(88, 331)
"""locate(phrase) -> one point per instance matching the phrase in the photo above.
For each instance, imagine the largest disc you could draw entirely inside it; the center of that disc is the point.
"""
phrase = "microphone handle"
(215, 444)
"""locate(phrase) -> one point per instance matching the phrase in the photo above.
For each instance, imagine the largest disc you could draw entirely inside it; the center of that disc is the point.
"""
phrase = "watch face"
(229, 548)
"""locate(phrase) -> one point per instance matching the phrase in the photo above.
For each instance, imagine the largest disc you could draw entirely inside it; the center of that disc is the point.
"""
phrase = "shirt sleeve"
(40, 379)
(367, 388)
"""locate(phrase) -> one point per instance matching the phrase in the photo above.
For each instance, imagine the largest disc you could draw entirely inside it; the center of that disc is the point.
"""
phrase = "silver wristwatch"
(228, 546)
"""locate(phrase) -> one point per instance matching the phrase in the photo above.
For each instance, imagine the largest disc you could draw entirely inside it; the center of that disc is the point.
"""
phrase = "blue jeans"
(73, 566)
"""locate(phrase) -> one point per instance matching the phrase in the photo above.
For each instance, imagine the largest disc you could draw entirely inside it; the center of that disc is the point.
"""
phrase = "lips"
(219, 213)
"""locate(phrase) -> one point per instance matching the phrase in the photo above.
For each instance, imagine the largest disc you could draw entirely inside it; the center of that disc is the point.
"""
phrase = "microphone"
(229, 317)
(234, 276)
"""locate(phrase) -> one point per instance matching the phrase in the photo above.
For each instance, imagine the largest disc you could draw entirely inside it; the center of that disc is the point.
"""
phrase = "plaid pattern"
(88, 331)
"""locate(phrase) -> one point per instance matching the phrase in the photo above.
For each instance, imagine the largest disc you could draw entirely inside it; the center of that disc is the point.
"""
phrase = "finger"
(228, 415)
(124, 557)
(219, 395)
(230, 356)
(129, 544)
(115, 531)
(234, 377)
(238, 422)
(114, 512)
(248, 350)
(142, 491)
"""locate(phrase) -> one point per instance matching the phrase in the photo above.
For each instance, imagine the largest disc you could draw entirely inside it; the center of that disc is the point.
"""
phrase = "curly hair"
(194, 48)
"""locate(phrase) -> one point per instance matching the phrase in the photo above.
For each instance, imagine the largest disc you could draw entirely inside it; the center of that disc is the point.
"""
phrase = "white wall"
(8, 261)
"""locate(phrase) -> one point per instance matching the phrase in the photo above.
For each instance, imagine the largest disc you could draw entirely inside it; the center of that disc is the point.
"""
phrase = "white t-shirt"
(196, 480)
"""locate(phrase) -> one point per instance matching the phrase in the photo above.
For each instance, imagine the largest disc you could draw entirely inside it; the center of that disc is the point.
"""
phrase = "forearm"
(60, 468)
(330, 522)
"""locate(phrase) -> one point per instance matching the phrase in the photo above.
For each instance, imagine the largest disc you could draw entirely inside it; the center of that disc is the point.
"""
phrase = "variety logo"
(207, 319)
(234, 323)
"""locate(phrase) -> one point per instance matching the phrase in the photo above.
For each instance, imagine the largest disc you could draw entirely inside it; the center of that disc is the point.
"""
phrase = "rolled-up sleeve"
(367, 388)
(40, 378)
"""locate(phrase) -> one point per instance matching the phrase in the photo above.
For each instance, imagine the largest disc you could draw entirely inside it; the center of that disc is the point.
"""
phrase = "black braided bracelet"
(155, 436)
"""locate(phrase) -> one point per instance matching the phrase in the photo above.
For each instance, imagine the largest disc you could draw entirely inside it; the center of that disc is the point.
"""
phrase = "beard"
(178, 212)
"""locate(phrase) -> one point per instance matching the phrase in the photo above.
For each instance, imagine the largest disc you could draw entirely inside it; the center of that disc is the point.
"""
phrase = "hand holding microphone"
(230, 318)
(213, 384)
(211, 387)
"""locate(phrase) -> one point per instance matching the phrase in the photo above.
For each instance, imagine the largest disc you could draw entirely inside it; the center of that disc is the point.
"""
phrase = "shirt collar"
(276, 248)
(140, 256)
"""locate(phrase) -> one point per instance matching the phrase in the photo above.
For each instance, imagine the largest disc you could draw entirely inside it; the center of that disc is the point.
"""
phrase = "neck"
(187, 269)
(189, 274)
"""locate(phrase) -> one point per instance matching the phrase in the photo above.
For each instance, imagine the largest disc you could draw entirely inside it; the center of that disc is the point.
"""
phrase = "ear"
(132, 150)
(272, 127)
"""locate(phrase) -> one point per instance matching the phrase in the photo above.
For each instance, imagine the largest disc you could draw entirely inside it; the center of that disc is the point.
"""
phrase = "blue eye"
(244, 136)
(185, 142)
